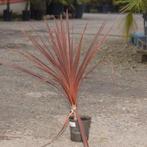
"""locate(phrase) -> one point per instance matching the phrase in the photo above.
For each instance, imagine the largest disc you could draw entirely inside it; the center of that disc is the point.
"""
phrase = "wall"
(16, 7)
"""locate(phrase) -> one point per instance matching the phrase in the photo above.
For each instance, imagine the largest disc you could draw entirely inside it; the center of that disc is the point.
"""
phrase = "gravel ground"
(115, 95)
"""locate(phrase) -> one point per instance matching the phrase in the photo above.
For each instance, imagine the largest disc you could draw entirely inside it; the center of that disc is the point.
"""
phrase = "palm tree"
(130, 7)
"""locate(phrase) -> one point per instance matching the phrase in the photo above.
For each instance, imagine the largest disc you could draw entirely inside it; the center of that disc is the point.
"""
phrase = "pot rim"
(83, 117)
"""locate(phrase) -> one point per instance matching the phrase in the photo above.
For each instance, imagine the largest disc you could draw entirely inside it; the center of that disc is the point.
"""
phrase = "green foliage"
(70, 2)
(82, 1)
(67, 2)
(36, 2)
(130, 24)
(77, 1)
(145, 5)
(131, 5)
(64, 2)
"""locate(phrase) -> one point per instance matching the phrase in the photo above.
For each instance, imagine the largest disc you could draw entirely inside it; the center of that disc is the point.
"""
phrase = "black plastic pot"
(7, 15)
(37, 14)
(88, 8)
(145, 27)
(38, 9)
(79, 10)
(99, 8)
(26, 15)
(75, 130)
(106, 8)
(145, 22)
(116, 8)
(55, 9)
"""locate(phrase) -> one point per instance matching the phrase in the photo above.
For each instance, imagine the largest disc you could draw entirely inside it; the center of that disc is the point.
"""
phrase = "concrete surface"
(34, 113)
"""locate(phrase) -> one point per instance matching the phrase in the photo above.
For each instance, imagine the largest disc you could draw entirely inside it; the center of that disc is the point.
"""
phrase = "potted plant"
(48, 7)
(64, 67)
(26, 13)
(38, 9)
(7, 13)
(56, 7)
(79, 7)
(115, 6)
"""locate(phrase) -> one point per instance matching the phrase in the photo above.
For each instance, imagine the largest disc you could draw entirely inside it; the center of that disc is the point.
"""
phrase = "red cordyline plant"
(63, 65)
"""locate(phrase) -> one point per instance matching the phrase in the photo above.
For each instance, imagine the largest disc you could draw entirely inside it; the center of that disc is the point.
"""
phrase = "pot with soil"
(38, 14)
(7, 13)
(75, 129)
(79, 10)
(79, 7)
(57, 9)
(26, 14)
(145, 27)
(38, 9)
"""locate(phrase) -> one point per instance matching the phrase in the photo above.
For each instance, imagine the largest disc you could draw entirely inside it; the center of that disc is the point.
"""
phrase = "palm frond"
(130, 24)
(130, 7)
